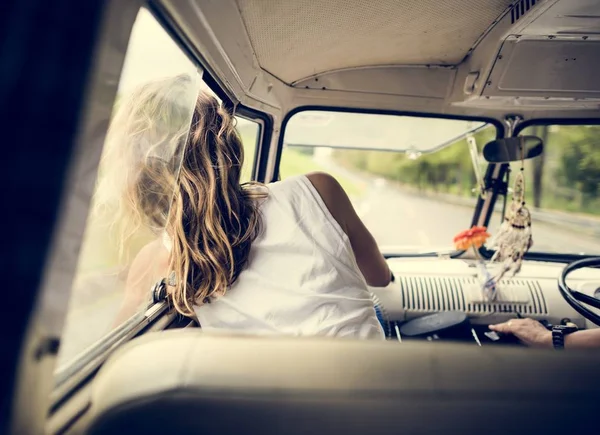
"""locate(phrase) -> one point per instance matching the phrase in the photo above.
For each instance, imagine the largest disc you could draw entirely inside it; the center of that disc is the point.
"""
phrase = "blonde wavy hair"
(183, 180)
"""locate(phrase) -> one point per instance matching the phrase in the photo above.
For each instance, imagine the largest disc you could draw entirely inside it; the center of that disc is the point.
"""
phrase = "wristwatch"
(559, 332)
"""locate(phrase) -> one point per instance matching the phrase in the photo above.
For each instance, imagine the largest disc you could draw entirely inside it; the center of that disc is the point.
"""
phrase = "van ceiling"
(478, 58)
(295, 39)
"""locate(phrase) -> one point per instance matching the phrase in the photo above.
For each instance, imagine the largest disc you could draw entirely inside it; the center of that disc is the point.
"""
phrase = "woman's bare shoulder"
(328, 187)
(333, 195)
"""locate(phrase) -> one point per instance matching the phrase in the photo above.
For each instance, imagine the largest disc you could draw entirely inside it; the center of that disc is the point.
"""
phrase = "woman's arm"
(151, 262)
(370, 261)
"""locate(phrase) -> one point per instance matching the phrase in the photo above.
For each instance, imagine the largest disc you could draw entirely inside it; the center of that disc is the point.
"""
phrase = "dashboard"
(433, 285)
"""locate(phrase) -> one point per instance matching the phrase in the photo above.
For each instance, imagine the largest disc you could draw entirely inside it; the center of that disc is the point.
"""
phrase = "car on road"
(443, 121)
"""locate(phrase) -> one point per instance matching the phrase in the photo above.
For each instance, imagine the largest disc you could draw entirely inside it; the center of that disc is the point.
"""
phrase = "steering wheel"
(576, 299)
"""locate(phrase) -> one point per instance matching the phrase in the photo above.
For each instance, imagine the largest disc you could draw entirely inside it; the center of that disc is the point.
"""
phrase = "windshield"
(412, 201)
(562, 190)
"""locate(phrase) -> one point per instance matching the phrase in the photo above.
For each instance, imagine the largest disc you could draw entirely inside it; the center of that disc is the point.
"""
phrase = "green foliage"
(570, 169)
(449, 169)
(580, 158)
(571, 180)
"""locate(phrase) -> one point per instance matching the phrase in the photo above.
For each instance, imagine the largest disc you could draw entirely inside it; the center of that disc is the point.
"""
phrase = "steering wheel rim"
(573, 297)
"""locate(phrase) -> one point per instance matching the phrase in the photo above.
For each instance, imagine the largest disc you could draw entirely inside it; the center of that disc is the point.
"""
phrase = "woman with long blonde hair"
(291, 257)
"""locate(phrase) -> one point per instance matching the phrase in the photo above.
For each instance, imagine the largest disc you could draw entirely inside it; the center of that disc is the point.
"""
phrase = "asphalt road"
(401, 218)
(395, 217)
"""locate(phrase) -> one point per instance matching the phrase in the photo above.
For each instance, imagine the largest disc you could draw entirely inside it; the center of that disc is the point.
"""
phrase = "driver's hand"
(529, 331)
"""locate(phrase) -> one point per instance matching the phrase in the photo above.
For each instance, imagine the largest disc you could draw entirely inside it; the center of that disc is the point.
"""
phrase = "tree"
(580, 160)
(538, 168)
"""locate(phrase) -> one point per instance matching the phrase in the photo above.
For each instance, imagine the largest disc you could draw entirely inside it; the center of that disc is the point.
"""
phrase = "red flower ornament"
(474, 237)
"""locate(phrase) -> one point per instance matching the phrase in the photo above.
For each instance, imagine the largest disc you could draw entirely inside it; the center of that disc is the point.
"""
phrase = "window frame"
(550, 257)
(88, 361)
(99, 350)
(71, 380)
(261, 151)
(79, 370)
(500, 129)
(488, 177)
(257, 142)
(69, 401)
(46, 229)
(163, 17)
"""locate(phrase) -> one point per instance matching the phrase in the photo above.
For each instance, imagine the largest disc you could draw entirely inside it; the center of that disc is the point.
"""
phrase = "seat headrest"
(192, 381)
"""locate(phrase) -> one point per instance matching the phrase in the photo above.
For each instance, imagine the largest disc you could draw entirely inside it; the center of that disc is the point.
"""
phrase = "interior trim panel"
(194, 382)
(432, 285)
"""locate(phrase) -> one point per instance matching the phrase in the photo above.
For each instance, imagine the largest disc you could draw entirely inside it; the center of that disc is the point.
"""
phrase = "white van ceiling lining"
(296, 39)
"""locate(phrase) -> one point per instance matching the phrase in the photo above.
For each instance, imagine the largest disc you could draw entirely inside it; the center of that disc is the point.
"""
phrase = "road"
(395, 217)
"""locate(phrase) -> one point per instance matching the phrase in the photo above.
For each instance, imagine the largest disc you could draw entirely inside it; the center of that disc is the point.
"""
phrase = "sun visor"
(333, 129)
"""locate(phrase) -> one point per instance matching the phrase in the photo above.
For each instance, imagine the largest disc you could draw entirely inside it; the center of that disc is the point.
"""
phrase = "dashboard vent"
(519, 9)
(433, 294)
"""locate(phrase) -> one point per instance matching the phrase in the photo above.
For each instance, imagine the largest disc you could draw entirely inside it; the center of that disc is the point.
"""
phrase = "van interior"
(424, 111)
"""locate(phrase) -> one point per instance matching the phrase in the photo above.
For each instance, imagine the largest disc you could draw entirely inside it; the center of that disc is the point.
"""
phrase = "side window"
(562, 189)
(150, 122)
(249, 132)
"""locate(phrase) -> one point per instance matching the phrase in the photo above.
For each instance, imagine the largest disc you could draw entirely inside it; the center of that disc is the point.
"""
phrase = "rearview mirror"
(513, 149)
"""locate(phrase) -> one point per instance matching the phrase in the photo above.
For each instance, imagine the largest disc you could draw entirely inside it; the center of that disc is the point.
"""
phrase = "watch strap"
(558, 335)
(558, 338)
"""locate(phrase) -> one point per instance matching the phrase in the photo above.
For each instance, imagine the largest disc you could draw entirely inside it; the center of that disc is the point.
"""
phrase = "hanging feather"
(514, 238)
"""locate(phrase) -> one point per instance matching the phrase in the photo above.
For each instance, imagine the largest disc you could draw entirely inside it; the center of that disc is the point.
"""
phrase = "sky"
(151, 54)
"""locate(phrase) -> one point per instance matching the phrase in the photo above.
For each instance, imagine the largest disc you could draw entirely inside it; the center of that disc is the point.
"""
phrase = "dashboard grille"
(433, 294)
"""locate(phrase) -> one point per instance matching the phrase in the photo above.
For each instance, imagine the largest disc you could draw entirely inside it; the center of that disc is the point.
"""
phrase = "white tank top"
(301, 277)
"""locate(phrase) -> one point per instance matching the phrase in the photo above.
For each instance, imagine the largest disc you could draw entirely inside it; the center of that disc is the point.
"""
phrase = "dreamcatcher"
(514, 238)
